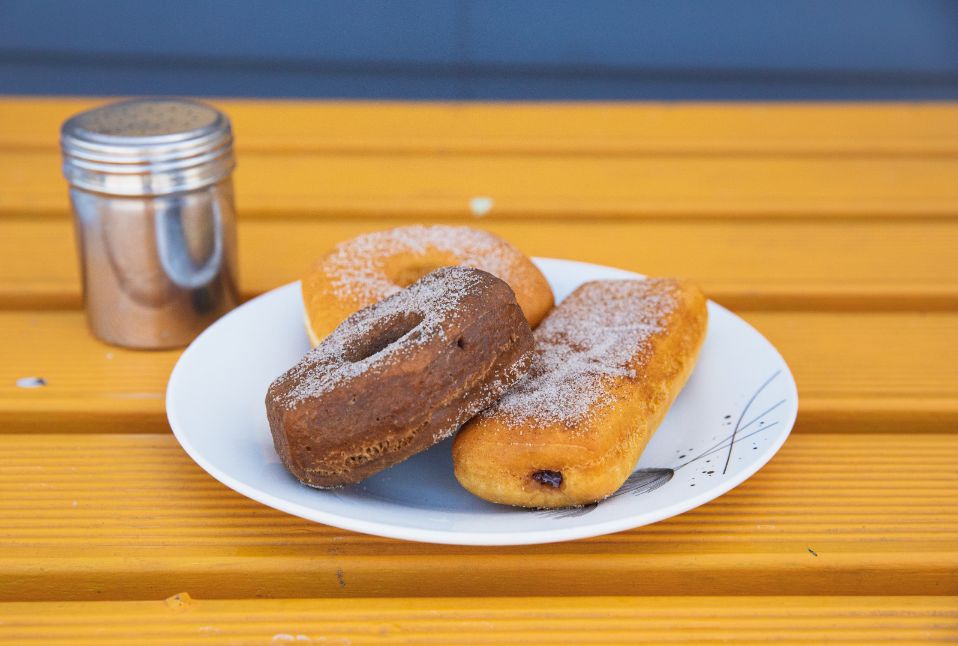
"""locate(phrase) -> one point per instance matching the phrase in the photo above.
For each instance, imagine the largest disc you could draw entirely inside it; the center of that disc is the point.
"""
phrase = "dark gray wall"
(470, 49)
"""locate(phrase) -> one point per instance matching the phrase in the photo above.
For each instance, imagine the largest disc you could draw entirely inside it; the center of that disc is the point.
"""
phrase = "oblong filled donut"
(366, 269)
(397, 377)
(608, 363)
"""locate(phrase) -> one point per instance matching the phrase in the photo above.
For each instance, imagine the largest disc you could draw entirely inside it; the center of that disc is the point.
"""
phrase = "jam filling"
(548, 478)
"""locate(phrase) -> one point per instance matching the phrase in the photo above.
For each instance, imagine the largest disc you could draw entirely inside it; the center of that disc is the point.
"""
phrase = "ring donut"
(370, 267)
(398, 376)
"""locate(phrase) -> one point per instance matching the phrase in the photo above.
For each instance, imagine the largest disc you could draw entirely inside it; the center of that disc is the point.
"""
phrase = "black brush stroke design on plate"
(644, 481)
(738, 424)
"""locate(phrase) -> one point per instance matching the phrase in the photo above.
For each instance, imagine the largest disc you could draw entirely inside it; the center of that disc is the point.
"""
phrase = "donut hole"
(383, 335)
(406, 276)
(461, 342)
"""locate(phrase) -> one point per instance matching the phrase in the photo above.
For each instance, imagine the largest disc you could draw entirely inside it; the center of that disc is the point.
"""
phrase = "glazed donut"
(609, 361)
(366, 269)
(398, 376)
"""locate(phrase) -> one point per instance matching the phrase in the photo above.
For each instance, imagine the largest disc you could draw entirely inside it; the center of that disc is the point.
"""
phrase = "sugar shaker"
(152, 195)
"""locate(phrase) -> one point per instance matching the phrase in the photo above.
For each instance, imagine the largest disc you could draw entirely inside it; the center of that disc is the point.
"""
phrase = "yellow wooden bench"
(833, 229)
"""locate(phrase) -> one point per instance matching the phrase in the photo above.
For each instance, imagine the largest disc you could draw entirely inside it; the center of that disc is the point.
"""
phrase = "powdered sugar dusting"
(432, 299)
(357, 265)
(599, 333)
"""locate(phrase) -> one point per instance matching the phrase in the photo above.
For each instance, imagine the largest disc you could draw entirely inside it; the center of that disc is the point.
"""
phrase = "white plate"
(741, 388)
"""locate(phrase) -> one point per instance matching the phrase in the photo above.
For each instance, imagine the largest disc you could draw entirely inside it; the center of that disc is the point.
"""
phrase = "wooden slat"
(795, 264)
(130, 517)
(554, 128)
(895, 372)
(578, 620)
(430, 185)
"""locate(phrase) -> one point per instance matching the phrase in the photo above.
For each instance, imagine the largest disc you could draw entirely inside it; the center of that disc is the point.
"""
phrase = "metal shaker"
(152, 195)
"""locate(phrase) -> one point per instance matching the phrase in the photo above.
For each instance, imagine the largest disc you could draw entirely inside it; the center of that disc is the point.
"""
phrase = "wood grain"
(110, 517)
(855, 372)
(576, 620)
(756, 264)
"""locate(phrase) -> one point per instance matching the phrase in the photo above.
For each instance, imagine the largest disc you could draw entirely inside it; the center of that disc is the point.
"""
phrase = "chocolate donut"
(398, 376)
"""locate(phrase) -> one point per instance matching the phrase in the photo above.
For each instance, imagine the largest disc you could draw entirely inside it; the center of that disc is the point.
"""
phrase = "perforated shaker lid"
(147, 147)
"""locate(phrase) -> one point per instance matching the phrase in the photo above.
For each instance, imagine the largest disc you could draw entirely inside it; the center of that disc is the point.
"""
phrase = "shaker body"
(156, 269)
(155, 224)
